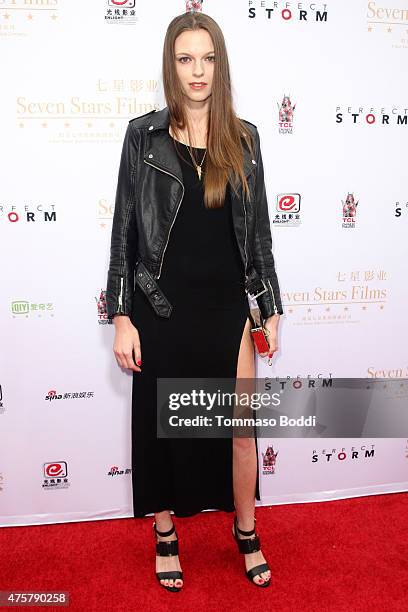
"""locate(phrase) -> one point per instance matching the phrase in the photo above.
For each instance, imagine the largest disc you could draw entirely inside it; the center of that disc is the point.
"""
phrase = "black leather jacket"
(149, 193)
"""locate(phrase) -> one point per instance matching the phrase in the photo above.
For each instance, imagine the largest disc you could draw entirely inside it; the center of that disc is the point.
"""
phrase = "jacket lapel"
(159, 147)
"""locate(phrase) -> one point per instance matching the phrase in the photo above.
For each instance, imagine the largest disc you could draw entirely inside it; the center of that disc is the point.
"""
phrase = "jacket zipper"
(174, 218)
(245, 243)
(273, 295)
(120, 298)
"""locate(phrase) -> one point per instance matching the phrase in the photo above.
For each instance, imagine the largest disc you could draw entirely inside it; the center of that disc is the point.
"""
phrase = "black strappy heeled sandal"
(167, 549)
(246, 546)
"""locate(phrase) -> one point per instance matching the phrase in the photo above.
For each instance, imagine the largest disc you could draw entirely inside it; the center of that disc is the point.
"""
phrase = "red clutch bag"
(259, 336)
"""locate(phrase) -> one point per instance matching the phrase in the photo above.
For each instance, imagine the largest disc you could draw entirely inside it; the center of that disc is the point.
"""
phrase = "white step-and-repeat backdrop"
(326, 84)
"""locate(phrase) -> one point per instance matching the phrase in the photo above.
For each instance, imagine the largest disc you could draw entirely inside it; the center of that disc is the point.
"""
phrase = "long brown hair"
(224, 147)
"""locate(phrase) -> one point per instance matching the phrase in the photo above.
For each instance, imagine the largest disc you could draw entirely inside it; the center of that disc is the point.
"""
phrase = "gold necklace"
(197, 166)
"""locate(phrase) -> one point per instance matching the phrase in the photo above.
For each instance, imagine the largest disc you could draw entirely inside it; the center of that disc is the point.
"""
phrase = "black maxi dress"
(203, 278)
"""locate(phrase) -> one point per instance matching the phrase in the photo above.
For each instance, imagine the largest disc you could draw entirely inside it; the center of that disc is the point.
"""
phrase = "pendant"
(199, 172)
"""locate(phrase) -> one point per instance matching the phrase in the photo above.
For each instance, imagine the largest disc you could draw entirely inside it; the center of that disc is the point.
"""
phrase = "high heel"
(251, 545)
(167, 549)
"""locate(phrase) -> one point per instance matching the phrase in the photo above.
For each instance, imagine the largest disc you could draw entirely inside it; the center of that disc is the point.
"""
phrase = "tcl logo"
(57, 469)
(288, 202)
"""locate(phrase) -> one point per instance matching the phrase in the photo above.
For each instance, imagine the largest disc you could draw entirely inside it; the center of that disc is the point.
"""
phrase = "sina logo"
(102, 309)
(286, 111)
(269, 461)
(349, 211)
(52, 395)
(115, 471)
(194, 5)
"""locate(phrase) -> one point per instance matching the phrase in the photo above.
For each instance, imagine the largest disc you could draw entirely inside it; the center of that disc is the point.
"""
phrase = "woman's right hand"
(126, 342)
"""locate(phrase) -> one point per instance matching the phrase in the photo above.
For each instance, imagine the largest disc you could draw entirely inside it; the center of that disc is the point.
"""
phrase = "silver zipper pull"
(120, 298)
(273, 296)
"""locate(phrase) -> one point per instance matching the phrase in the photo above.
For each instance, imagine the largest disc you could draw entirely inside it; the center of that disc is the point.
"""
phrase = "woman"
(196, 249)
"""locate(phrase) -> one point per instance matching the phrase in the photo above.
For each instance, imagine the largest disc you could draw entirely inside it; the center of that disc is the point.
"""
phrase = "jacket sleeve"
(269, 302)
(120, 282)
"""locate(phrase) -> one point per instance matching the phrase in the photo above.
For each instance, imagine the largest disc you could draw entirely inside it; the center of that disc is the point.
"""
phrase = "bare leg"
(244, 463)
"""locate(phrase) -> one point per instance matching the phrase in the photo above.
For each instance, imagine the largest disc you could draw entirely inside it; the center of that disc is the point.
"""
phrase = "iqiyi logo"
(23, 307)
(20, 307)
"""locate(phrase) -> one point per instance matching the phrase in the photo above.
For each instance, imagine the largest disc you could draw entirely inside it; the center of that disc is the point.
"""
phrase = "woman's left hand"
(271, 325)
